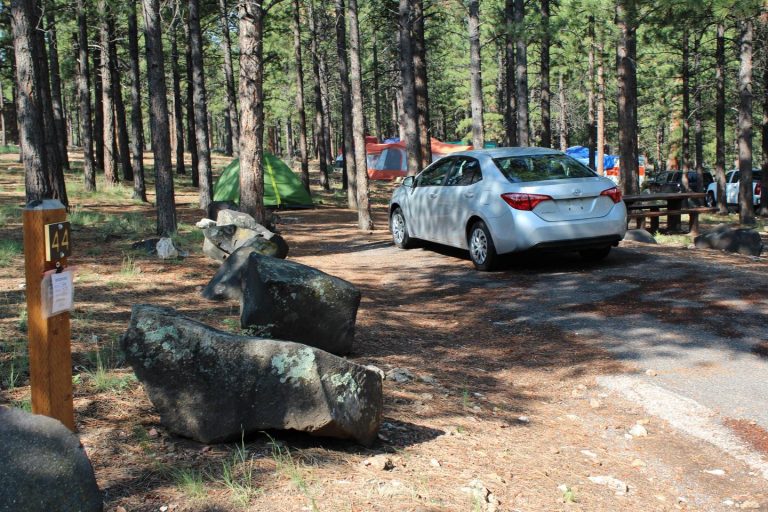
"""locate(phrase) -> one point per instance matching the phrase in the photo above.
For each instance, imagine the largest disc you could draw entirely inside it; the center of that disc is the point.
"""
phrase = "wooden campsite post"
(47, 244)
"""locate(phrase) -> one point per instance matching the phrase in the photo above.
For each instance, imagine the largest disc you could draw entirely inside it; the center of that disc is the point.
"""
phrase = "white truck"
(732, 179)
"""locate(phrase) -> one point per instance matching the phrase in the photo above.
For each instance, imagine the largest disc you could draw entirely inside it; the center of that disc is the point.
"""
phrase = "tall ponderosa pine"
(746, 209)
(108, 107)
(686, 112)
(231, 118)
(510, 105)
(121, 126)
(251, 91)
(475, 75)
(98, 107)
(349, 169)
(178, 104)
(521, 74)
(320, 127)
(421, 88)
(626, 60)
(158, 113)
(84, 96)
(56, 97)
(364, 219)
(137, 124)
(546, 122)
(201, 107)
(297, 46)
(720, 118)
(409, 117)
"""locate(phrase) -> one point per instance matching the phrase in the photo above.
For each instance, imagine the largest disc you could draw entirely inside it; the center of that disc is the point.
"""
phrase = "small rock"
(166, 250)
(120, 508)
(426, 396)
(716, 472)
(393, 488)
(729, 503)
(610, 482)
(638, 431)
(476, 409)
(637, 463)
(481, 494)
(435, 463)
(750, 504)
(399, 375)
(153, 432)
(572, 417)
(205, 223)
(587, 453)
(427, 379)
(524, 419)
(380, 462)
(651, 373)
(595, 403)
(163, 508)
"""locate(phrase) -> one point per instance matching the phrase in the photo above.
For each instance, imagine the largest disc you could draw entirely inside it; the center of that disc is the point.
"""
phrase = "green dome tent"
(282, 188)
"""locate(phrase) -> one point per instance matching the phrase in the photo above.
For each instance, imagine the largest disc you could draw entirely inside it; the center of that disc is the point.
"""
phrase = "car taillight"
(614, 193)
(520, 201)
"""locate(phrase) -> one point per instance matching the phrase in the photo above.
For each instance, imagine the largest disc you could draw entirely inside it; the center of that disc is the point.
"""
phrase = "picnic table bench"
(670, 205)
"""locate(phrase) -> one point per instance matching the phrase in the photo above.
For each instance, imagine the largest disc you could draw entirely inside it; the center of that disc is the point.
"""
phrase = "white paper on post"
(60, 293)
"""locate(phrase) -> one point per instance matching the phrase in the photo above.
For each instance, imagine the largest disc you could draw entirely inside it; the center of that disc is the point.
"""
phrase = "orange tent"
(390, 161)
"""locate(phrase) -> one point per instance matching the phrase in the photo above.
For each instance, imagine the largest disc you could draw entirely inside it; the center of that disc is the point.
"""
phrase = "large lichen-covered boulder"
(730, 239)
(213, 386)
(43, 466)
(289, 301)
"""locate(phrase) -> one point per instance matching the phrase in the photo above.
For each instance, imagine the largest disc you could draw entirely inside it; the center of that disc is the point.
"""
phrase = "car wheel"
(595, 254)
(481, 248)
(399, 230)
(711, 202)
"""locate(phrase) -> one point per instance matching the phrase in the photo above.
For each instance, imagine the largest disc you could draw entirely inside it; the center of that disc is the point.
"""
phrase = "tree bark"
(763, 210)
(304, 156)
(349, 163)
(320, 128)
(98, 108)
(521, 72)
(84, 93)
(591, 127)
(329, 135)
(720, 119)
(230, 112)
(3, 135)
(201, 107)
(158, 114)
(178, 106)
(686, 113)
(510, 106)
(108, 106)
(475, 73)
(25, 18)
(409, 121)
(746, 208)
(252, 109)
(698, 108)
(376, 91)
(56, 97)
(626, 58)
(600, 136)
(563, 113)
(364, 218)
(121, 125)
(546, 123)
(191, 143)
(421, 88)
(137, 124)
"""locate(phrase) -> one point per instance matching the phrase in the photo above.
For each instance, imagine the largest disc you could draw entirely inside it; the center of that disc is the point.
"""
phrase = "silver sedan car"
(505, 200)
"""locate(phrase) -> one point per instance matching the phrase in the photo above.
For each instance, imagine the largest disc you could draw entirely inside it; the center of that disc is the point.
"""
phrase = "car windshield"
(541, 168)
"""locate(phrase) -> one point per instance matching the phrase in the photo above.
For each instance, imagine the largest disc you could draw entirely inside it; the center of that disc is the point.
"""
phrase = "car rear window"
(541, 168)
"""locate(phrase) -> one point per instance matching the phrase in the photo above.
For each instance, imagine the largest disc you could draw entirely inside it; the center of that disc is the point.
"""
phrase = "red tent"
(390, 161)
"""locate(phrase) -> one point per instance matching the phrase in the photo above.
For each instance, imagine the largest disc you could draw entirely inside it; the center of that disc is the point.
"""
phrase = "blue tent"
(581, 154)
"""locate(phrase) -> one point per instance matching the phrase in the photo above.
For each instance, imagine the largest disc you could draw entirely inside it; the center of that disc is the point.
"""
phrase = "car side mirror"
(409, 182)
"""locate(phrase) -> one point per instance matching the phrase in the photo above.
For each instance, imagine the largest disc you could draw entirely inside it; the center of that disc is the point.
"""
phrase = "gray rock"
(242, 220)
(640, 235)
(205, 223)
(729, 239)
(213, 252)
(216, 206)
(43, 466)
(166, 250)
(399, 375)
(290, 301)
(612, 483)
(226, 239)
(214, 386)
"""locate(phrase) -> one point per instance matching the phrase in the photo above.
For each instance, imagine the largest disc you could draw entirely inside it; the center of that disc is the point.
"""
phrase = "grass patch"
(101, 376)
(190, 481)
(9, 250)
(188, 235)
(24, 404)
(129, 267)
(674, 240)
(237, 474)
(9, 148)
(287, 466)
(9, 214)
(14, 365)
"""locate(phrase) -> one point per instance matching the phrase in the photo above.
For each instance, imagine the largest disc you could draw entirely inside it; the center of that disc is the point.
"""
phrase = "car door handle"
(469, 194)
(433, 195)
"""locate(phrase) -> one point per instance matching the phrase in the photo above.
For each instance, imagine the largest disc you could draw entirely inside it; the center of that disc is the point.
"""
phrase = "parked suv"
(732, 180)
(672, 181)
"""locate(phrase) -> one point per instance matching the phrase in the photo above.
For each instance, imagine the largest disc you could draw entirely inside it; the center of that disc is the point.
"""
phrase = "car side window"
(736, 177)
(435, 175)
(465, 172)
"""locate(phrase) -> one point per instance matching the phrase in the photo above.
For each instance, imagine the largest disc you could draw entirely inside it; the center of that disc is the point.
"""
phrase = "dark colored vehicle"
(672, 181)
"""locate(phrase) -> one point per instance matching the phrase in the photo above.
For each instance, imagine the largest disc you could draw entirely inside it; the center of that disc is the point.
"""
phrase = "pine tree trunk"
(304, 156)
(158, 113)
(121, 125)
(56, 98)
(191, 141)
(763, 210)
(3, 136)
(329, 134)
(698, 108)
(178, 104)
(600, 136)
(510, 107)
(376, 91)
(252, 109)
(475, 76)
(720, 119)
(421, 88)
(230, 113)
(364, 219)
(98, 108)
(521, 72)
(349, 164)
(201, 107)
(626, 54)
(591, 127)
(746, 208)
(686, 113)
(137, 124)
(409, 123)
(546, 123)
(84, 93)
(108, 106)
(320, 128)
(24, 21)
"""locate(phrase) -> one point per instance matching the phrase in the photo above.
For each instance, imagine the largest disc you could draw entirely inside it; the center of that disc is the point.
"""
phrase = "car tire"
(399, 229)
(482, 251)
(711, 202)
(595, 254)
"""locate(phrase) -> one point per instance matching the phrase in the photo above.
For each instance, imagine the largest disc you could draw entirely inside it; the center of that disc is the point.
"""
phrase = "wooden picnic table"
(671, 205)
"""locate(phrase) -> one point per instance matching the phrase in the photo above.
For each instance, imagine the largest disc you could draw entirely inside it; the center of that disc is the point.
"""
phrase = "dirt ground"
(493, 418)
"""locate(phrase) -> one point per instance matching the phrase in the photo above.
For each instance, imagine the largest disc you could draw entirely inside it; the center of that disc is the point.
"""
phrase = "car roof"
(507, 152)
